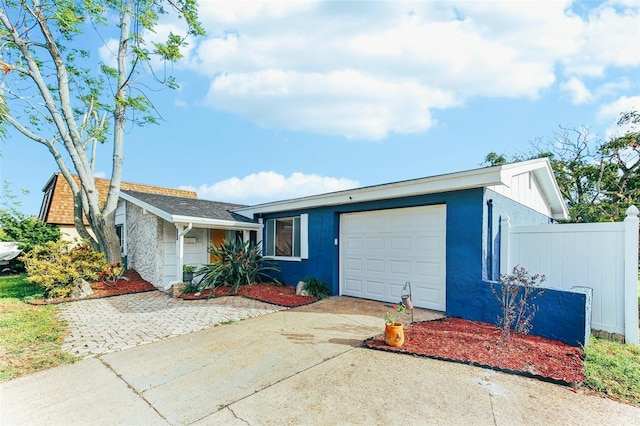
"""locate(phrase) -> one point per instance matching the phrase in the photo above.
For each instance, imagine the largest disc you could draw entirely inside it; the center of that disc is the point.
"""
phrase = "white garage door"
(381, 250)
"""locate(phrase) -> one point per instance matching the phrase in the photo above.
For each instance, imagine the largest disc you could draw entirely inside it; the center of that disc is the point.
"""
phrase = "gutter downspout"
(180, 250)
(490, 239)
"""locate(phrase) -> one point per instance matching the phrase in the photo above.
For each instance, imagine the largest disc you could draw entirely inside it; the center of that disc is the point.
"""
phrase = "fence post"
(631, 276)
(504, 245)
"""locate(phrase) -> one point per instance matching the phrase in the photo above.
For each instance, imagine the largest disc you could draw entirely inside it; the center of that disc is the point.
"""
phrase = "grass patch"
(613, 369)
(17, 287)
(30, 336)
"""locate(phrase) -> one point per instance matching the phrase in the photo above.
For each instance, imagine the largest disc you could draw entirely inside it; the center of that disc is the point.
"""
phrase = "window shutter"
(304, 236)
(269, 247)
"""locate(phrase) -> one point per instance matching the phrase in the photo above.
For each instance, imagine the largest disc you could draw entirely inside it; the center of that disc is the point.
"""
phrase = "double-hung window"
(286, 237)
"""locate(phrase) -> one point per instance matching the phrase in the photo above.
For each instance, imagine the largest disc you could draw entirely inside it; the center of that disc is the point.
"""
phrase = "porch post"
(631, 276)
(180, 249)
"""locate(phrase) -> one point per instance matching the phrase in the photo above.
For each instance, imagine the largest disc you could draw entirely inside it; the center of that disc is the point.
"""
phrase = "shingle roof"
(180, 206)
(57, 205)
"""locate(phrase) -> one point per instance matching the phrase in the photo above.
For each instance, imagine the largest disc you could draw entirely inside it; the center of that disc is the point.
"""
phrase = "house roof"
(475, 178)
(181, 210)
(57, 204)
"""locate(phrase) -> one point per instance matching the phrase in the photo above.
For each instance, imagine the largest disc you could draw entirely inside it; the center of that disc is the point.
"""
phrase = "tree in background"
(598, 180)
(53, 94)
(28, 231)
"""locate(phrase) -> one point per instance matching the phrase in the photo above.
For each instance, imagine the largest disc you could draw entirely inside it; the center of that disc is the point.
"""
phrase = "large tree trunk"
(105, 231)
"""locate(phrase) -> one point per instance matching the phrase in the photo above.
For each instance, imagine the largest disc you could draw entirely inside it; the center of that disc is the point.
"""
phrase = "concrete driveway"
(299, 366)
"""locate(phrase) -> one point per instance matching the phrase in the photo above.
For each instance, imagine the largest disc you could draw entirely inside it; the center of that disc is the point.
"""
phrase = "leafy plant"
(514, 292)
(111, 273)
(240, 263)
(189, 268)
(28, 231)
(316, 288)
(390, 318)
(55, 266)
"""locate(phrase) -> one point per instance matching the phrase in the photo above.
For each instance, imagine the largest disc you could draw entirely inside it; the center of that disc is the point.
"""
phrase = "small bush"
(316, 288)
(514, 293)
(111, 273)
(240, 264)
(55, 266)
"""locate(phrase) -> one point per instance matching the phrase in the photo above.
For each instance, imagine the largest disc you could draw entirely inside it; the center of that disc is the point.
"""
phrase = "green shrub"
(111, 273)
(29, 231)
(316, 288)
(55, 265)
(240, 263)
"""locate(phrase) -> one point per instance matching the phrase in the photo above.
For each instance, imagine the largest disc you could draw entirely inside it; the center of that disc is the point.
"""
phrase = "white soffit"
(476, 178)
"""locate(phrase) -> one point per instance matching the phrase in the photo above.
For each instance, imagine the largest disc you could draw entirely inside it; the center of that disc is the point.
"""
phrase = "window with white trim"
(286, 237)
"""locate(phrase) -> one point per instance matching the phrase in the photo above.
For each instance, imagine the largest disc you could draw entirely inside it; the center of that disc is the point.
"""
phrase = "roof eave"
(476, 178)
(215, 223)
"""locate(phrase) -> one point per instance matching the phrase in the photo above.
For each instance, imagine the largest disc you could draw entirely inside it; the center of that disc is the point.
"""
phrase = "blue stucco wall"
(463, 240)
(562, 315)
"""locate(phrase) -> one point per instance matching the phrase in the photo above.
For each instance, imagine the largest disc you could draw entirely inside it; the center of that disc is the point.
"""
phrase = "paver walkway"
(100, 326)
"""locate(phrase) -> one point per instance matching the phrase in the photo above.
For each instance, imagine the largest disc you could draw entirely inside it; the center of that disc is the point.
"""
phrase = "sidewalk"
(299, 366)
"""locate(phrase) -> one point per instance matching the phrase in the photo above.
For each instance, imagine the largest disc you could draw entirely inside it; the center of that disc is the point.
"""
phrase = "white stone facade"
(145, 244)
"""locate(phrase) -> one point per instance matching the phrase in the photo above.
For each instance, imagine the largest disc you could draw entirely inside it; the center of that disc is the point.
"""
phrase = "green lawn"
(613, 370)
(30, 336)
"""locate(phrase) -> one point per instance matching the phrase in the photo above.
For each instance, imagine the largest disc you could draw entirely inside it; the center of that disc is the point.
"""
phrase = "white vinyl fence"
(602, 256)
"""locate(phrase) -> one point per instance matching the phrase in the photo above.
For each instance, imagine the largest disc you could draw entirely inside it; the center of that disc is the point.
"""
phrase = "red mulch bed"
(477, 343)
(268, 292)
(132, 283)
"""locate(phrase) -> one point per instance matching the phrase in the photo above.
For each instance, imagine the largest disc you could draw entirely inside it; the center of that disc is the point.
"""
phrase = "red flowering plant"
(111, 273)
(390, 317)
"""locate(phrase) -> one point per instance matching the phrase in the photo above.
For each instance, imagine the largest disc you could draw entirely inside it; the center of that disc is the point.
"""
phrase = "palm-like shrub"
(316, 288)
(239, 263)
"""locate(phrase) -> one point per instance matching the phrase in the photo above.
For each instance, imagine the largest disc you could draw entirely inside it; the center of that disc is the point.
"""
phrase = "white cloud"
(360, 106)
(108, 52)
(609, 38)
(271, 186)
(577, 91)
(365, 71)
(610, 114)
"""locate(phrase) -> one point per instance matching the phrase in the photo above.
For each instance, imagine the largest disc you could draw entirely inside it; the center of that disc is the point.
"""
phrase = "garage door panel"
(400, 267)
(429, 269)
(352, 285)
(401, 243)
(353, 243)
(375, 265)
(375, 243)
(428, 242)
(375, 288)
(395, 246)
(353, 265)
(428, 297)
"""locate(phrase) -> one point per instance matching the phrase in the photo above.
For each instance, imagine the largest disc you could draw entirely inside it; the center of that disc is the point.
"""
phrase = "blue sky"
(285, 99)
